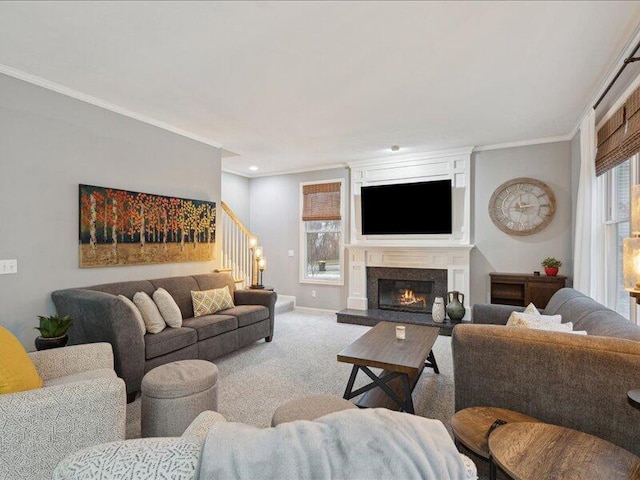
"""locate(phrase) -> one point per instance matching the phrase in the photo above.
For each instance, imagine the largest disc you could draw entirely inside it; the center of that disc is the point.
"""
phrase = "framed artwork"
(119, 227)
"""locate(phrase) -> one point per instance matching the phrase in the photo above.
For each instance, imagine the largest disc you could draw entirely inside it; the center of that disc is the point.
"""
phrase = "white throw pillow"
(136, 313)
(150, 314)
(168, 308)
(532, 320)
(531, 308)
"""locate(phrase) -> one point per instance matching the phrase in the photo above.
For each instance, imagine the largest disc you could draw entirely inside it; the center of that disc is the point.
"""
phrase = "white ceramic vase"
(437, 311)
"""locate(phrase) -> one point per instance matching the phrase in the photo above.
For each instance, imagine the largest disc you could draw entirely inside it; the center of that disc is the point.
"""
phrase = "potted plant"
(53, 331)
(551, 266)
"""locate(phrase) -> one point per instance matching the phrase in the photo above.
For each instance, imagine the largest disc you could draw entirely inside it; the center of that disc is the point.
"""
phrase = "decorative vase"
(455, 306)
(437, 311)
(43, 343)
(551, 271)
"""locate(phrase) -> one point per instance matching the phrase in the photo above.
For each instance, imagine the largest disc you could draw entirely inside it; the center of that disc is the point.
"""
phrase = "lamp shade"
(631, 263)
(635, 210)
(262, 263)
(253, 241)
(257, 251)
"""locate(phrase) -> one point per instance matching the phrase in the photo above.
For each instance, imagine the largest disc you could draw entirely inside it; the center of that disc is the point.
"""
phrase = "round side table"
(471, 428)
(540, 451)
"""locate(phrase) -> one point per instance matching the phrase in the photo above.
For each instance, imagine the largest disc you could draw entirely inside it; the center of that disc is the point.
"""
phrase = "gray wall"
(275, 218)
(498, 252)
(49, 143)
(235, 193)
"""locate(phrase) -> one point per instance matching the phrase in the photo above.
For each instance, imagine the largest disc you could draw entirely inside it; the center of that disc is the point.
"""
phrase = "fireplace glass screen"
(405, 295)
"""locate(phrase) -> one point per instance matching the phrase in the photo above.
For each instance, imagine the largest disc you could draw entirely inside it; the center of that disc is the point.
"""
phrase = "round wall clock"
(522, 206)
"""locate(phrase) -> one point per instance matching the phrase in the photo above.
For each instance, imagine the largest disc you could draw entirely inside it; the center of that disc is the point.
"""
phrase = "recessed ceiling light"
(253, 168)
(395, 148)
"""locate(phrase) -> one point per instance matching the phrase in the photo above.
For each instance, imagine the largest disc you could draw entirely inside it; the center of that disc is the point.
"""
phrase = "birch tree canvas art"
(119, 227)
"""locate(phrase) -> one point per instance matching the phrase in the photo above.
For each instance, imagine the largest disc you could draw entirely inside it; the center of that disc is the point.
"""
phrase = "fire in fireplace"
(405, 295)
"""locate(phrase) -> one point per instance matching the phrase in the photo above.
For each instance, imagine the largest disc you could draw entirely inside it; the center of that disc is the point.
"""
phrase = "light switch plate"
(291, 253)
(8, 266)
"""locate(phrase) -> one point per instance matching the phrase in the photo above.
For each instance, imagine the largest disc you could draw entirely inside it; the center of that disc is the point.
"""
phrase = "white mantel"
(454, 259)
(449, 252)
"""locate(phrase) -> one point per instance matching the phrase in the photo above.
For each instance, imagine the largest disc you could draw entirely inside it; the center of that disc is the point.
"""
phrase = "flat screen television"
(421, 208)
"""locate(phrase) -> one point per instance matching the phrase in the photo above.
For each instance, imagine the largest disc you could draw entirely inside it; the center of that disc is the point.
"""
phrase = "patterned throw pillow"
(152, 317)
(17, 371)
(207, 302)
(539, 322)
(168, 308)
(136, 313)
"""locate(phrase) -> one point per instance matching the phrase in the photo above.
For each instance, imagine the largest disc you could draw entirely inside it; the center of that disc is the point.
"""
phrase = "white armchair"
(82, 403)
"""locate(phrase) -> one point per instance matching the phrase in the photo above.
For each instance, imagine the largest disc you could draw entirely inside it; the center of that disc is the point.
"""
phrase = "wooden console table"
(520, 289)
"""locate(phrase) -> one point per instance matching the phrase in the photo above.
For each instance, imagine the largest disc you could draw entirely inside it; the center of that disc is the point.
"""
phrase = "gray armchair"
(82, 403)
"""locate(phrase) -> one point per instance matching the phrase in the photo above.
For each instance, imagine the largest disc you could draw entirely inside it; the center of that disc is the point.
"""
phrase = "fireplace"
(405, 289)
(405, 295)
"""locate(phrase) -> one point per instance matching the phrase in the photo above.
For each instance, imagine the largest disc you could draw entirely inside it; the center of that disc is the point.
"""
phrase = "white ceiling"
(296, 85)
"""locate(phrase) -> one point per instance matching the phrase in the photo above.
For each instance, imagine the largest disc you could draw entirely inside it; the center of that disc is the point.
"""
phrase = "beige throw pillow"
(539, 322)
(207, 302)
(150, 314)
(136, 313)
(168, 308)
(531, 308)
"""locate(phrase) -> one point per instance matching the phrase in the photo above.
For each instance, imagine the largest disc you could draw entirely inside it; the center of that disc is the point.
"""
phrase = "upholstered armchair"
(82, 403)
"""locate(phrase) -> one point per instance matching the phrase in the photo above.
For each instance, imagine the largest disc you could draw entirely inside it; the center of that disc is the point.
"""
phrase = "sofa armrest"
(60, 362)
(578, 381)
(40, 427)
(266, 298)
(152, 458)
(490, 313)
(102, 317)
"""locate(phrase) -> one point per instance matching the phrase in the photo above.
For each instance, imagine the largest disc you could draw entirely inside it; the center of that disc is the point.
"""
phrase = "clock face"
(522, 206)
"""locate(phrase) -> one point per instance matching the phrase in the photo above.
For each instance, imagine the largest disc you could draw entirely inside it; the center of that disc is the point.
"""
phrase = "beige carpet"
(301, 360)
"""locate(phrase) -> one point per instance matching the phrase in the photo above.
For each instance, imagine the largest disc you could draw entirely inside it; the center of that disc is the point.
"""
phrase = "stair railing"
(235, 252)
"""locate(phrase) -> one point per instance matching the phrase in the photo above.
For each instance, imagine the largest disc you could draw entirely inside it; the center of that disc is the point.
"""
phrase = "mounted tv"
(421, 208)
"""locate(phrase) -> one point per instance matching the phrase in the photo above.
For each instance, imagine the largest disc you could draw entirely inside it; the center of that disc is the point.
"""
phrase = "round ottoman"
(174, 394)
(309, 408)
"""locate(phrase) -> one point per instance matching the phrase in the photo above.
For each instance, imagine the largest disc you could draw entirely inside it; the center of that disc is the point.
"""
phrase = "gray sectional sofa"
(578, 381)
(100, 316)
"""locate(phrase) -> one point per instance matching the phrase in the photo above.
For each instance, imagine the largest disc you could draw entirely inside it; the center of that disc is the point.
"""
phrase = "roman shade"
(321, 201)
(619, 136)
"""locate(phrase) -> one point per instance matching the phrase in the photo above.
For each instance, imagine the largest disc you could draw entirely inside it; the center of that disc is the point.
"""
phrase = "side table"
(471, 428)
(541, 451)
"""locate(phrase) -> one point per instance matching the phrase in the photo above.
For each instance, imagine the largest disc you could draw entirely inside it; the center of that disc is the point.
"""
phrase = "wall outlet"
(291, 253)
(314, 294)
(8, 266)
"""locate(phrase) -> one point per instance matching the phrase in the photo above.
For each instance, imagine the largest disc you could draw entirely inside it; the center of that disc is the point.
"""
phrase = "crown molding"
(523, 143)
(69, 92)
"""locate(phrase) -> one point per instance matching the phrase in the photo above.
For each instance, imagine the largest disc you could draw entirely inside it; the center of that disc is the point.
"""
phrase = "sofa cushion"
(216, 280)
(247, 314)
(180, 289)
(209, 326)
(169, 340)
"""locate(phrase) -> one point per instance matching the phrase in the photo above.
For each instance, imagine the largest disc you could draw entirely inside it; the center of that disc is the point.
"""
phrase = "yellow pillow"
(208, 302)
(17, 372)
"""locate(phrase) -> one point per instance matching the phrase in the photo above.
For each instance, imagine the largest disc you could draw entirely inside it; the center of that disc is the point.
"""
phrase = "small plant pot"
(551, 271)
(43, 343)
(322, 266)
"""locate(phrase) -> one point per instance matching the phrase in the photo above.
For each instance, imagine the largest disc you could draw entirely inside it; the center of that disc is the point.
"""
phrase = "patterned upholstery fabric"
(174, 458)
(208, 302)
(40, 427)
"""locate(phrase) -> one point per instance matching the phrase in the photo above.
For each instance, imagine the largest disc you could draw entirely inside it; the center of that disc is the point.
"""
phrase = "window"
(321, 238)
(616, 189)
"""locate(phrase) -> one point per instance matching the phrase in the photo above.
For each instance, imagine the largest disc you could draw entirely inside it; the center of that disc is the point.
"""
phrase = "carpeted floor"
(301, 360)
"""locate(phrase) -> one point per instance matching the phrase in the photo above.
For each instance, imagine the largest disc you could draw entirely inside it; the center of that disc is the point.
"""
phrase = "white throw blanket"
(351, 444)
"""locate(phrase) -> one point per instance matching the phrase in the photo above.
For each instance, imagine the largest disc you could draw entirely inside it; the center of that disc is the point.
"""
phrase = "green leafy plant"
(551, 262)
(54, 326)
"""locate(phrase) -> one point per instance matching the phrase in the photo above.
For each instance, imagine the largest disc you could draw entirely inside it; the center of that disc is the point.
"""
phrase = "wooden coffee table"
(541, 451)
(401, 361)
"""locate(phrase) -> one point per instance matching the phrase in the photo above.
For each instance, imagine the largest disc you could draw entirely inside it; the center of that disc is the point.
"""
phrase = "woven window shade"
(619, 137)
(321, 201)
